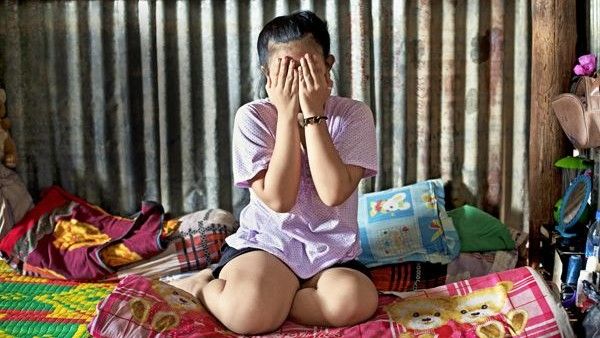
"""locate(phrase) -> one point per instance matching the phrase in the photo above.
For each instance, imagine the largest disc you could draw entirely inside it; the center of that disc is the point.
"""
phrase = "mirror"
(574, 204)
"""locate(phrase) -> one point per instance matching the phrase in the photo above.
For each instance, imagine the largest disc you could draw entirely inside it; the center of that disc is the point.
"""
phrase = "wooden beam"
(554, 34)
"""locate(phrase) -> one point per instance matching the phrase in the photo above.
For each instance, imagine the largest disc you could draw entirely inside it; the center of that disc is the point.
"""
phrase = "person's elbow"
(280, 205)
(333, 199)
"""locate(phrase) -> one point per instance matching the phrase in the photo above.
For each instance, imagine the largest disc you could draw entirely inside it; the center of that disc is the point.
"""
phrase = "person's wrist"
(287, 117)
(316, 125)
(311, 112)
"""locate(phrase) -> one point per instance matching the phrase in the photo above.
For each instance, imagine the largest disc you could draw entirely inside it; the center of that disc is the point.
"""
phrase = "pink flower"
(586, 66)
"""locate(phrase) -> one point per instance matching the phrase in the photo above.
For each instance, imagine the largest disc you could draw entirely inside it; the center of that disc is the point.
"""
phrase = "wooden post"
(554, 34)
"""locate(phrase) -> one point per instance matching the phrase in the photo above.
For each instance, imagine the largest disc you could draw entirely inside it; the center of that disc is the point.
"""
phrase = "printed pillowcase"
(406, 224)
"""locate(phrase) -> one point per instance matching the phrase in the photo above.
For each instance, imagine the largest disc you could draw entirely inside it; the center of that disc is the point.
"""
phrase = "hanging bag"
(579, 113)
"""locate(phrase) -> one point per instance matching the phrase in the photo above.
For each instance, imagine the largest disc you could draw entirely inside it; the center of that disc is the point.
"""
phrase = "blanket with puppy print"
(514, 303)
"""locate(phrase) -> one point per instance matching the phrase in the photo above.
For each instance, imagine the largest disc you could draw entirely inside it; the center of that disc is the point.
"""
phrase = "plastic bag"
(591, 322)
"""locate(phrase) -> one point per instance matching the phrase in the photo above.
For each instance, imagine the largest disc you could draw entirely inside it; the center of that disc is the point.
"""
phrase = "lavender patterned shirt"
(311, 236)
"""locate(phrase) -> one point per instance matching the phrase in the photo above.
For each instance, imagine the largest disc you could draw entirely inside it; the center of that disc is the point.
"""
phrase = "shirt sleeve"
(252, 146)
(356, 142)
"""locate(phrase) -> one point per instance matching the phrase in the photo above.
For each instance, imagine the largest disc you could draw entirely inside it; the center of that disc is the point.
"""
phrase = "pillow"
(406, 224)
(408, 276)
(480, 231)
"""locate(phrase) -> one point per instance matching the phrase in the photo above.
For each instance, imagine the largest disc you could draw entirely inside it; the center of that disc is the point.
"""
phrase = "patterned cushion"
(200, 237)
(406, 224)
(193, 246)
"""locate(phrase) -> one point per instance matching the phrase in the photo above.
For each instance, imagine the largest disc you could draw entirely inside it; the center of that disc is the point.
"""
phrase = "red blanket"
(63, 235)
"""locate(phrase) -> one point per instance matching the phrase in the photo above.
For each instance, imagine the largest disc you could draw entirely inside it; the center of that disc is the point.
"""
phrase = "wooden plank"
(554, 35)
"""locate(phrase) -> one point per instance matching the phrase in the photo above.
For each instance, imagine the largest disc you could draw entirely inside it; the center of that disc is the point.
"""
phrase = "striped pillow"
(408, 276)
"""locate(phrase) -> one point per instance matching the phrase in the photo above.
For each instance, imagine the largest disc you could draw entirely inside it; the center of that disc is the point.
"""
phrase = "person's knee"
(255, 300)
(250, 319)
(353, 303)
(258, 311)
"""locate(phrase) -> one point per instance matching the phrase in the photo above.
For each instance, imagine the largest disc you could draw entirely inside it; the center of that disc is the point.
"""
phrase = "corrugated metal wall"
(123, 101)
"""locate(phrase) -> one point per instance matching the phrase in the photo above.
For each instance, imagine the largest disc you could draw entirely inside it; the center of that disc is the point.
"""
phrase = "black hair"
(292, 27)
(288, 28)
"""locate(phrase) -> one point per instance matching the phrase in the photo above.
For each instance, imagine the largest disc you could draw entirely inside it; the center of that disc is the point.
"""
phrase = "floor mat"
(31, 306)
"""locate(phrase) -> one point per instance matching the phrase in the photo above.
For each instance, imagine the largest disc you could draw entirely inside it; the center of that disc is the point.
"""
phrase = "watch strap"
(312, 120)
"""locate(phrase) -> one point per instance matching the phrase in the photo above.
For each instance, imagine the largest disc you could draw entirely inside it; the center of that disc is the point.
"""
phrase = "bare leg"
(253, 294)
(335, 297)
(194, 283)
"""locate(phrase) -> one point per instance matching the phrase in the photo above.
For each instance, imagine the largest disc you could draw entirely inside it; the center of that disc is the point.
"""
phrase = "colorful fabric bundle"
(64, 237)
(38, 307)
(193, 246)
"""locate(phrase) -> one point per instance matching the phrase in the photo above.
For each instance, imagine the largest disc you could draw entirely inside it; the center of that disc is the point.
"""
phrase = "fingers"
(295, 81)
(289, 77)
(313, 73)
(305, 73)
(276, 76)
(312, 67)
(283, 71)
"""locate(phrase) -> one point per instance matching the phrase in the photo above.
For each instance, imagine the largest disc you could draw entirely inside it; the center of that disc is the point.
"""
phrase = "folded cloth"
(193, 246)
(480, 231)
(476, 264)
(63, 236)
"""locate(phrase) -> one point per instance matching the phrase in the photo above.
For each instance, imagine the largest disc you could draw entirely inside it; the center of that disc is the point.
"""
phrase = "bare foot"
(194, 283)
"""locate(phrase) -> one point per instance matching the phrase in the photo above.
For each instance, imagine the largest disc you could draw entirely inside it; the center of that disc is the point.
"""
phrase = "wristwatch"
(310, 120)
